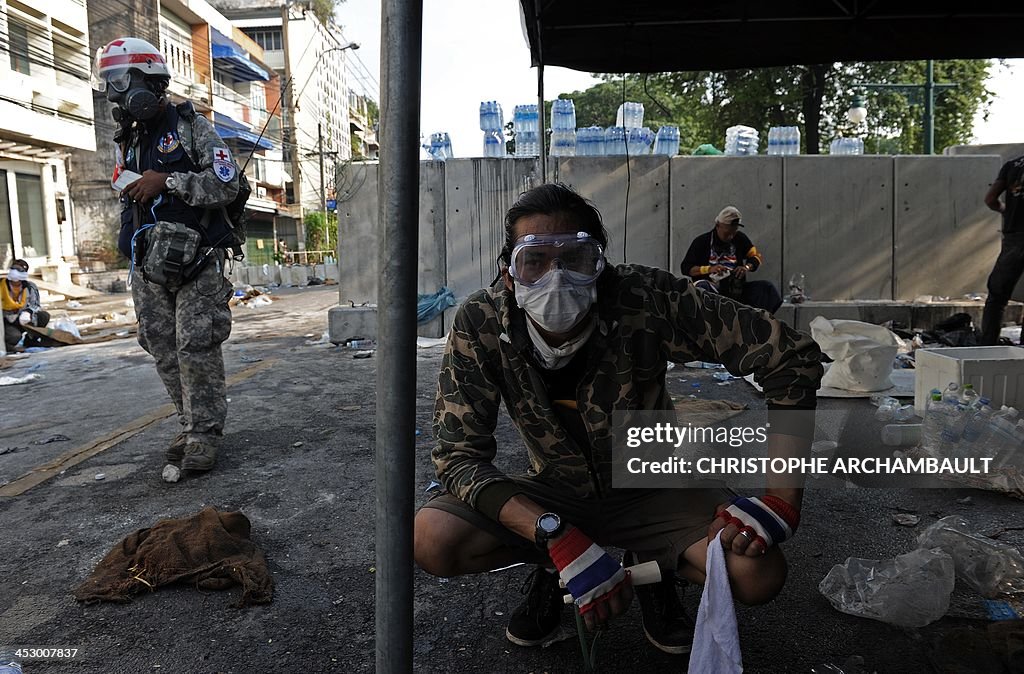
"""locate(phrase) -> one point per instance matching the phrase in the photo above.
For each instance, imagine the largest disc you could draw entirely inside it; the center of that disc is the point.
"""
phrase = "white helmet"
(115, 60)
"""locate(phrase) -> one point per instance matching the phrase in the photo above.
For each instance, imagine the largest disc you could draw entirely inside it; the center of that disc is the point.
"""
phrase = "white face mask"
(17, 275)
(557, 305)
(557, 357)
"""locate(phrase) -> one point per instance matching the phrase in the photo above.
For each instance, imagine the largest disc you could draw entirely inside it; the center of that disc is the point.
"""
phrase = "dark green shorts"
(656, 524)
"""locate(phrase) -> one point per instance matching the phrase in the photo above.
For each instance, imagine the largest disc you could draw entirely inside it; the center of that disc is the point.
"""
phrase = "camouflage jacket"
(204, 189)
(646, 317)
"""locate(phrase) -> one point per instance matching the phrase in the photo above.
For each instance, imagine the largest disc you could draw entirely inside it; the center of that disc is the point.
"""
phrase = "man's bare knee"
(433, 544)
(757, 581)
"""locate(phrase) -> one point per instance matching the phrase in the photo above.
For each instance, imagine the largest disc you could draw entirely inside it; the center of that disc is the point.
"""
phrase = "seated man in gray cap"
(720, 260)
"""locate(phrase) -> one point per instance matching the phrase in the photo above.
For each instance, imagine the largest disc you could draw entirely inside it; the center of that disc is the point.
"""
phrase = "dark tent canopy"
(646, 36)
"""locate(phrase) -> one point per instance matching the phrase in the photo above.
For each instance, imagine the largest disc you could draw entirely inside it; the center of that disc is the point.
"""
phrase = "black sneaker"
(536, 620)
(666, 624)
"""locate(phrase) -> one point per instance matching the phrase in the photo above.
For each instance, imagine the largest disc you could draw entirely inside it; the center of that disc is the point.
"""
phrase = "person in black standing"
(1010, 263)
(720, 260)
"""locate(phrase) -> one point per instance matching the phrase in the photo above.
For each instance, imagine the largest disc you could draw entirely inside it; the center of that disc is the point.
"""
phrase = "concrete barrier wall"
(642, 233)
(702, 186)
(863, 227)
(946, 238)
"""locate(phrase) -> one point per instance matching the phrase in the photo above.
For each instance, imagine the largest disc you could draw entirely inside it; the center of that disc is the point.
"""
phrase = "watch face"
(549, 522)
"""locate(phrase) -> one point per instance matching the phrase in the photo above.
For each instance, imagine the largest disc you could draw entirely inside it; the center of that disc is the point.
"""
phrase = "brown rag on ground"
(211, 549)
(701, 412)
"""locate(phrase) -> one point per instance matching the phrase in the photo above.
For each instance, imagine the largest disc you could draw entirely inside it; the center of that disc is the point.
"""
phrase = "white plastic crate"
(996, 372)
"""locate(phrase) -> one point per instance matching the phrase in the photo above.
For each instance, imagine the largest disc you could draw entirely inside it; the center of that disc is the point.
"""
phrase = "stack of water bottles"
(526, 123)
(666, 142)
(741, 141)
(959, 423)
(492, 123)
(784, 140)
(563, 128)
(590, 141)
(846, 146)
(440, 147)
(629, 135)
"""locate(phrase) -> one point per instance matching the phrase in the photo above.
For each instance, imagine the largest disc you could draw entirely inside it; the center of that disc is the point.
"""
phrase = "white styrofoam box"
(996, 372)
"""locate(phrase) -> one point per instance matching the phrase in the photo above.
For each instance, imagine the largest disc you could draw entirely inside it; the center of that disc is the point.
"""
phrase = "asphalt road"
(298, 460)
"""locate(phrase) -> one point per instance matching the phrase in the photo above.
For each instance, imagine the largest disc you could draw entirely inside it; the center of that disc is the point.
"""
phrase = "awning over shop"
(247, 138)
(228, 55)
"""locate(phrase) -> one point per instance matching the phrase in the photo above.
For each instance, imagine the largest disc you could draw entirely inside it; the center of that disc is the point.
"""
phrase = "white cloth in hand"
(25, 318)
(716, 640)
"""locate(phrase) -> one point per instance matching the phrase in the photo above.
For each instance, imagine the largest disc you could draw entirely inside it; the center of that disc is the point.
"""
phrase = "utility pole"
(323, 187)
(292, 133)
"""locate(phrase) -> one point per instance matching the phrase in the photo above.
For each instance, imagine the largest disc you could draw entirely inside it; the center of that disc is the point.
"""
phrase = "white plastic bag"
(862, 354)
(910, 591)
(988, 566)
(67, 325)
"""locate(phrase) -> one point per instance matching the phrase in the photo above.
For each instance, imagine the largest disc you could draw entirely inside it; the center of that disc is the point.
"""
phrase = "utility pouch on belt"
(171, 249)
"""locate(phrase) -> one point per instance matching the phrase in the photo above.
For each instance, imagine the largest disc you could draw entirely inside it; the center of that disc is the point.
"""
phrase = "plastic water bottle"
(952, 426)
(630, 114)
(975, 438)
(563, 143)
(1003, 438)
(491, 118)
(931, 427)
(615, 141)
(563, 115)
(666, 141)
(494, 144)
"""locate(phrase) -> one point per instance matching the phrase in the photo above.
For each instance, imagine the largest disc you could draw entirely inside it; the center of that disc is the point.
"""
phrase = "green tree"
(317, 228)
(324, 9)
(703, 104)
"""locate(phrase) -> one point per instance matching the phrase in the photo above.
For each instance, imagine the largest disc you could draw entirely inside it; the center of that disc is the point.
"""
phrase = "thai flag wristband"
(769, 519)
(591, 575)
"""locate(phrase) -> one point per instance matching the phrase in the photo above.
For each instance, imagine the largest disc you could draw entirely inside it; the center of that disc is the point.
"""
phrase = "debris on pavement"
(362, 354)
(210, 550)
(433, 486)
(325, 338)
(101, 476)
(52, 438)
(171, 473)
(912, 590)
(250, 359)
(12, 381)
(297, 444)
(430, 342)
(906, 519)
(986, 565)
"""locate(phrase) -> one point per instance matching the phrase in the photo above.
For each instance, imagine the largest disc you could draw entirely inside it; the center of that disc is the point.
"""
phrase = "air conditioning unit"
(261, 192)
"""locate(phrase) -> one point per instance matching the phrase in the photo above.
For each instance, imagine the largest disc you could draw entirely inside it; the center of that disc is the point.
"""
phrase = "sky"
(475, 50)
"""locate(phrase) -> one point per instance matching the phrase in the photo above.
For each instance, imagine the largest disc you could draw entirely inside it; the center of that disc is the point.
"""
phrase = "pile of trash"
(914, 589)
(251, 297)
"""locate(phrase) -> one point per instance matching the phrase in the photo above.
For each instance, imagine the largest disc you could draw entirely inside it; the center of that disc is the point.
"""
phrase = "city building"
(317, 54)
(46, 112)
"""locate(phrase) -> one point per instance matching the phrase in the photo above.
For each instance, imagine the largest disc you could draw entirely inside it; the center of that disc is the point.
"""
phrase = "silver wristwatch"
(171, 184)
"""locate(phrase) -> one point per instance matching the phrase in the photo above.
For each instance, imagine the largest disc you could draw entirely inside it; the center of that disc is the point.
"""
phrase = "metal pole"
(398, 215)
(323, 187)
(929, 108)
(540, 126)
(290, 110)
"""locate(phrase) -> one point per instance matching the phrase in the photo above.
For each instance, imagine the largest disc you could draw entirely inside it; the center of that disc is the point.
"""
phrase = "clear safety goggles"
(535, 255)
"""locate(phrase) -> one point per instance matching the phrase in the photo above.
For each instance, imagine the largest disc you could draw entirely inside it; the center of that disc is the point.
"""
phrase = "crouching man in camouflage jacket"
(566, 341)
(175, 231)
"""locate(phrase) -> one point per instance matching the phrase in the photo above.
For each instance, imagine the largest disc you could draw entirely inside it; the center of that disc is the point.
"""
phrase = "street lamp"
(857, 112)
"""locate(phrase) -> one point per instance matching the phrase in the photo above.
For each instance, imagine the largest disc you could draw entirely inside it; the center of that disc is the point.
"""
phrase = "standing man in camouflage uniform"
(566, 341)
(175, 231)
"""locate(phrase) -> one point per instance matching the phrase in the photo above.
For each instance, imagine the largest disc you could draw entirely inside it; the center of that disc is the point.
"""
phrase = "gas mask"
(555, 278)
(133, 97)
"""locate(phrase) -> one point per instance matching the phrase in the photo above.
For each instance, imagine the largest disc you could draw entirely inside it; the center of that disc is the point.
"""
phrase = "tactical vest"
(161, 148)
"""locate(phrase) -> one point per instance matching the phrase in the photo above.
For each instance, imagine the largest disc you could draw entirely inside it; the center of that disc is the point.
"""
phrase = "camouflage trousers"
(183, 330)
